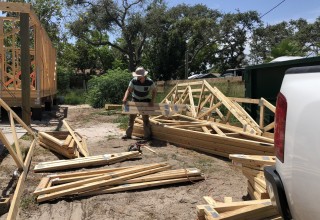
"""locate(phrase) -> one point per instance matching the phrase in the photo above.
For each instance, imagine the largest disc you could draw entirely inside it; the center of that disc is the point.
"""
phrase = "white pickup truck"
(294, 182)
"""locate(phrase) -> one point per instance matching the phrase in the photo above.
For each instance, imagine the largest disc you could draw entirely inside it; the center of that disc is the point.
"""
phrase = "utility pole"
(25, 68)
(186, 62)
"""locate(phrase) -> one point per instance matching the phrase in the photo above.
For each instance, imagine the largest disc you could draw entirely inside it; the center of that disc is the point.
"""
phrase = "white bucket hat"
(140, 71)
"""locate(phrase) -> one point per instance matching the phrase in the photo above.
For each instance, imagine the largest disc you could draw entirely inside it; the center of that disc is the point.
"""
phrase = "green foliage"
(123, 120)
(75, 97)
(108, 88)
(63, 75)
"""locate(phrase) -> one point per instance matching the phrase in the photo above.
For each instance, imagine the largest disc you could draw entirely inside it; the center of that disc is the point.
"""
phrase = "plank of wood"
(253, 159)
(81, 148)
(13, 211)
(135, 186)
(251, 212)
(14, 155)
(15, 137)
(84, 161)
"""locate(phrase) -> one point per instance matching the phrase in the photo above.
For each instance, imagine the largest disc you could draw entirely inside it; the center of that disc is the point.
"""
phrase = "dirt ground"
(168, 202)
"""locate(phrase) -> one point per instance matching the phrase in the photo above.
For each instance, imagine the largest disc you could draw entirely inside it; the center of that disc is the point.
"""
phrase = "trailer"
(43, 78)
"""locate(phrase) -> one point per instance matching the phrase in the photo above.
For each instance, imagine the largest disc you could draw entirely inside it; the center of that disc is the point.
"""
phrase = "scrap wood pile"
(112, 180)
(22, 162)
(252, 168)
(212, 122)
(67, 143)
(250, 210)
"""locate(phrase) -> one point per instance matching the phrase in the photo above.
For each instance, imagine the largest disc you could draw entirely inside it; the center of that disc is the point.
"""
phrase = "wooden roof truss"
(15, 151)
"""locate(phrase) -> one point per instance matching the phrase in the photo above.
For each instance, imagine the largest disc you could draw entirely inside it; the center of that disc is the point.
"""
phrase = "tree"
(107, 17)
(181, 31)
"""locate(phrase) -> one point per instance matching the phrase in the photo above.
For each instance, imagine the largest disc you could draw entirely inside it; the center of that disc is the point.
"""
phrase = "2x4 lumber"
(246, 115)
(84, 161)
(268, 105)
(58, 150)
(170, 94)
(245, 100)
(210, 200)
(253, 159)
(225, 207)
(245, 134)
(81, 149)
(135, 186)
(217, 129)
(15, 137)
(193, 109)
(95, 185)
(51, 138)
(13, 211)
(104, 177)
(269, 127)
(261, 119)
(200, 98)
(16, 117)
(252, 212)
(217, 105)
(14, 155)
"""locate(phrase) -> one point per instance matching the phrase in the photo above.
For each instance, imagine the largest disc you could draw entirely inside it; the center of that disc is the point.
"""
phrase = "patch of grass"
(75, 97)
(27, 137)
(205, 165)
(27, 201)
(107, 112)
(123, 120)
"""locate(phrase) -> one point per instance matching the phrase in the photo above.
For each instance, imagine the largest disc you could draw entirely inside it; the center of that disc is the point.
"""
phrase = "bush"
(74, 97)
(108, 88)
(63, 77)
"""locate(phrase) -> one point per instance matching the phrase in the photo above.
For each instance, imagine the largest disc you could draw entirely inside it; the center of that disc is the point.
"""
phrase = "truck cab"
(293, 183)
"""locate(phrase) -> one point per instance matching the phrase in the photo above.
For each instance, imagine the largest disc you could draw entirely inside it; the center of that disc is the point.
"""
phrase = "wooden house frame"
(43, 80)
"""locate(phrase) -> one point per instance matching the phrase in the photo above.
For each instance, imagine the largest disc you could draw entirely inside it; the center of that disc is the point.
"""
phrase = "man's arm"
(126, 94)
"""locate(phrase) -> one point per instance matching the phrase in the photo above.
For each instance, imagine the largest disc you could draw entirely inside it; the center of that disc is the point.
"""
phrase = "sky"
(286, 11)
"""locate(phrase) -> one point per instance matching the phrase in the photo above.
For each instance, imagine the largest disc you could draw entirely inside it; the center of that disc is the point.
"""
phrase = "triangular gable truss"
(203, 101)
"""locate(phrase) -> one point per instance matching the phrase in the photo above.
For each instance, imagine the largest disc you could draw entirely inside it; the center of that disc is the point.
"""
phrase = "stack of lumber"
(252, 167)
(88, 183)
(201, 136)
(82, 162)
(212, 123)
(249, 210)
(67, 143)
(145, 108)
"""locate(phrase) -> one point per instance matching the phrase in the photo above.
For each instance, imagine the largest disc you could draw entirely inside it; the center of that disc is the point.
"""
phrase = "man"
(140, 87)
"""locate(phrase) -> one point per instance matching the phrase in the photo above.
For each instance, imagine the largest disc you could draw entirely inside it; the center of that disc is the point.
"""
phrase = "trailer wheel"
(36, 114)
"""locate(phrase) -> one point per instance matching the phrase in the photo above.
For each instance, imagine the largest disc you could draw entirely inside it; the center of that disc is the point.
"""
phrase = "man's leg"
(130, 126)
(146, 126)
